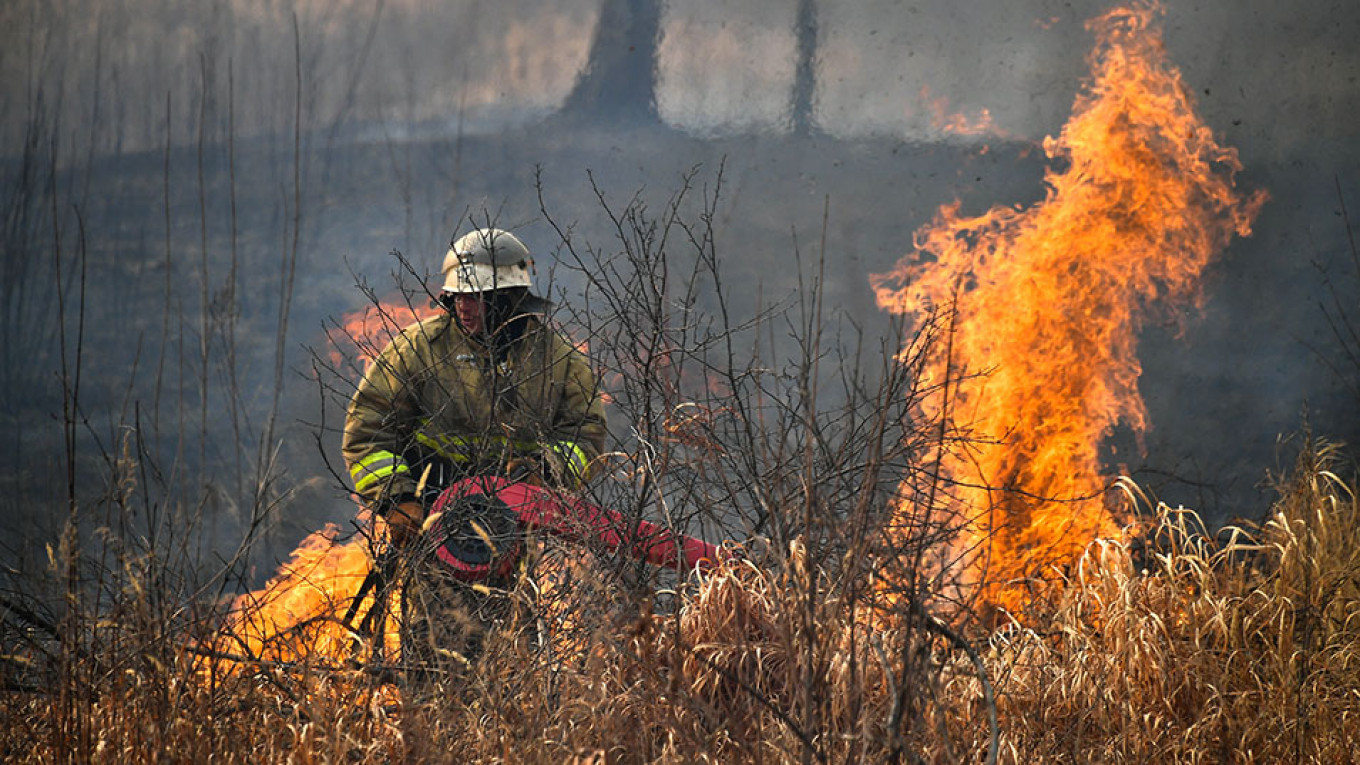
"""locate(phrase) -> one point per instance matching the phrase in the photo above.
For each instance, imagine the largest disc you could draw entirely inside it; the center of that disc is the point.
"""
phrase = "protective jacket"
(436, 397)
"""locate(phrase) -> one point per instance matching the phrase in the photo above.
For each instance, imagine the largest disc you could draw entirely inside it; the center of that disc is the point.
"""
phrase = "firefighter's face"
(470, 307)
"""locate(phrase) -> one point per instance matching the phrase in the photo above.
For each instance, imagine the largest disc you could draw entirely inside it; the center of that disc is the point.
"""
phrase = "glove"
(403, 522)
(525, 469)
(544, 467)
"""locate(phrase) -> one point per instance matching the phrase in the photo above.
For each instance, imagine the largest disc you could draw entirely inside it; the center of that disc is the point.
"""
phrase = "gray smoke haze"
(115, 119)
(1273, 76)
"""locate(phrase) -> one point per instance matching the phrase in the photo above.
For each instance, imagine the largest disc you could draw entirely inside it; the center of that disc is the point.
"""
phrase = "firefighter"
(486, 388)
(484, 385)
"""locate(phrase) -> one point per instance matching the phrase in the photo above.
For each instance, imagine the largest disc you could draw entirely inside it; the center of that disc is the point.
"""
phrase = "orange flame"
(958, 123)
(1039, 364)
(299, 614)
(365, 332)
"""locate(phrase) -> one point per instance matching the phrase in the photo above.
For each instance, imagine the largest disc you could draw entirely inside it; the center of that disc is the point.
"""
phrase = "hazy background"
(359, 128)
(1273, 77)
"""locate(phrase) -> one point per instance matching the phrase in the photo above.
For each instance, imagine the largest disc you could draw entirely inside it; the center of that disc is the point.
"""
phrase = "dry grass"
(1238, 648)
(1186, 647)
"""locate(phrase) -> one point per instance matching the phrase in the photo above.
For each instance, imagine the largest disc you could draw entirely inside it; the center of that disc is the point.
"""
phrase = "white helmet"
(487, 259)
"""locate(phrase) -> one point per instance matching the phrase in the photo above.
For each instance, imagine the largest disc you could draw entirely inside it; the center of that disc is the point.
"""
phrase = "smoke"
(118, 77)
(1281, 75)
(745, 52)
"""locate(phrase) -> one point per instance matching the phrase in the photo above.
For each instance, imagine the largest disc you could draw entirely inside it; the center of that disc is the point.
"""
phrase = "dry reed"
(1236, 647)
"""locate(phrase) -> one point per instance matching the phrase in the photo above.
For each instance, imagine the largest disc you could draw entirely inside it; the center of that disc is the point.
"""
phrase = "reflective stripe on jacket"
(435, 394)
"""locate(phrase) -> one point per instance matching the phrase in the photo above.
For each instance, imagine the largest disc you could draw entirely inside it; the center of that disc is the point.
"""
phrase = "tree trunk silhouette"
(619, 81)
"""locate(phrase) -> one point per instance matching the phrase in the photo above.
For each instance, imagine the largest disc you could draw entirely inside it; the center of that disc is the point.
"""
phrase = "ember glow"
(1040, 362)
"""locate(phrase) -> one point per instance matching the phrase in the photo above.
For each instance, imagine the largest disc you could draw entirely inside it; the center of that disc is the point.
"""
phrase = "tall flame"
(1039, 364)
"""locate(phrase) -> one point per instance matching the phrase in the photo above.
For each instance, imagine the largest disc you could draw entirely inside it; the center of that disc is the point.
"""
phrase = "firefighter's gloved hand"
(525, 468)
(554, 468)
(544, 467)
(403, 522)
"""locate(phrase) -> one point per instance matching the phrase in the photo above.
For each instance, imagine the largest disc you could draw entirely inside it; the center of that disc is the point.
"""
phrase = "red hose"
(572, 518)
